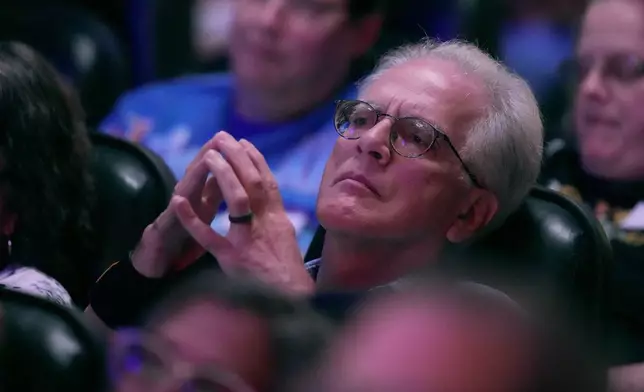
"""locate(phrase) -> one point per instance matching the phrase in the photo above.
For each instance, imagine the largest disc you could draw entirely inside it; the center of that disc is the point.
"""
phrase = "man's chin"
(353, 226)
(260, 78)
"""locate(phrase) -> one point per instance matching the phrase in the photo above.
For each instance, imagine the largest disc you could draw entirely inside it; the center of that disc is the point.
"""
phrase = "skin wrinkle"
(465, 119)
(476, 85)
(461, 120)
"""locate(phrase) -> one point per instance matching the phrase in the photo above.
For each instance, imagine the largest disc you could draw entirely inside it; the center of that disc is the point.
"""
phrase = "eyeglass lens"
(409, 136)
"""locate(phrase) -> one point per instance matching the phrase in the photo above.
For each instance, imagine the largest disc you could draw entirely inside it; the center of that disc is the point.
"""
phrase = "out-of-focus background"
(108, 47)
(158, 78)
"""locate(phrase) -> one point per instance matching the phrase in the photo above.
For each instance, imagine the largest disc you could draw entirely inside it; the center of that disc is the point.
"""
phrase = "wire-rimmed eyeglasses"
(410, 137)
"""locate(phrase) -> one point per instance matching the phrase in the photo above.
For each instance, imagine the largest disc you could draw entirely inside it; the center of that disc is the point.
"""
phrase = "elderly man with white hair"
(443, 142)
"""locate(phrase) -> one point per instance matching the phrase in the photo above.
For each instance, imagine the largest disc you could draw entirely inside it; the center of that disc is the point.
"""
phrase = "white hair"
(504, 146)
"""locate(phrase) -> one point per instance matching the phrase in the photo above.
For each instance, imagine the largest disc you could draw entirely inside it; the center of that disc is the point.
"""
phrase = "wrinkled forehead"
(436, 90)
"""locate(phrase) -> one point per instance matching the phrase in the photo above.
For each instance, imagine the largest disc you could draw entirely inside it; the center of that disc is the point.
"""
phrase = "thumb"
(201, 232)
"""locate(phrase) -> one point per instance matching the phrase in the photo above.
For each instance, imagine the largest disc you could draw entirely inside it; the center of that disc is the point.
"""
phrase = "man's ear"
(477, 212)
(365, 33)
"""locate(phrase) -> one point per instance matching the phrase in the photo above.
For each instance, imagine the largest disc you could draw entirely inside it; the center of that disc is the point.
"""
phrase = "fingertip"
(183, 209)
(222, 135)
(214, 157)
(213, 140)
(245, 143)
(211, 154)
(177, 200)
(216, 140)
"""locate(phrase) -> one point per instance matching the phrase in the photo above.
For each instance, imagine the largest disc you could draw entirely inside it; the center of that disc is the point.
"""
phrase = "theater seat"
(551, 243)
(133, 186)
(81, 47)
(45, 347)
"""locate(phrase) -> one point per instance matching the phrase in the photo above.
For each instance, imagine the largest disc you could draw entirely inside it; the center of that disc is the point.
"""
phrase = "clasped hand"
(234, 172)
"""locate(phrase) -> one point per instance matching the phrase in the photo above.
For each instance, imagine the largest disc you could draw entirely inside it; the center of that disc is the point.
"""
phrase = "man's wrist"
(304, 287)
(122, 294)
(148, 256)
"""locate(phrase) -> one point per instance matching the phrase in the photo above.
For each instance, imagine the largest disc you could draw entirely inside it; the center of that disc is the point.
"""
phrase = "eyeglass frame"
(380, 114)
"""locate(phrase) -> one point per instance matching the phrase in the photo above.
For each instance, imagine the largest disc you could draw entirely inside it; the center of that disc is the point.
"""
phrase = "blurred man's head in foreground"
(212, 334)
(461, 337)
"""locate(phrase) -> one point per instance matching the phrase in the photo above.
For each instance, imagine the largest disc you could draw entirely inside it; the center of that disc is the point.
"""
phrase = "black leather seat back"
(550, 241)
(79, 45)
(133, 187)
(47, 348)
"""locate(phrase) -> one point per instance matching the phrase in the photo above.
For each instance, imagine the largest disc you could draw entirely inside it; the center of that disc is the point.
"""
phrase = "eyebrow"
(375, 105)
(425, 119)
(381, 109)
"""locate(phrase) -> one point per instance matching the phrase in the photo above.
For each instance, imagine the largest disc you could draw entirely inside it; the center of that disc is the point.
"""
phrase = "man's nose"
(375, 141)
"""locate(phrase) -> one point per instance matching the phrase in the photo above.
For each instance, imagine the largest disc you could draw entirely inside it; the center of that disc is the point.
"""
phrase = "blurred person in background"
(211, 334)
(603, 164)
(538, 37)
(211, 29)
(442, 144)
(533, 38)
(290, 60)
(461, 337)
(45, 184)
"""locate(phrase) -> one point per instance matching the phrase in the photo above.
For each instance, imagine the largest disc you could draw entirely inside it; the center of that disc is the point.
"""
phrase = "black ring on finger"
(243, 219)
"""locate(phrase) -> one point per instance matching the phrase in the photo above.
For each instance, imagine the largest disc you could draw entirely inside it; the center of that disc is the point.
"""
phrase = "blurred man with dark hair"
(290, 59)
(214, 334)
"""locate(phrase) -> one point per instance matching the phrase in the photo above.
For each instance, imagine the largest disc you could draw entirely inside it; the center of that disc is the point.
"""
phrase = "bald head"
(413, 343)
(451, 339)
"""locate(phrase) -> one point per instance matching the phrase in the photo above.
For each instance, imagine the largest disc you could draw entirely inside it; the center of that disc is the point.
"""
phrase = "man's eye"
(359, 121)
